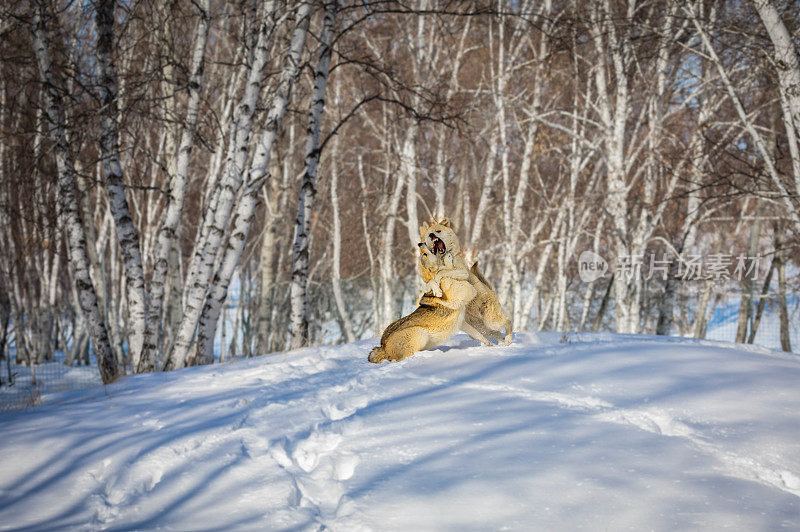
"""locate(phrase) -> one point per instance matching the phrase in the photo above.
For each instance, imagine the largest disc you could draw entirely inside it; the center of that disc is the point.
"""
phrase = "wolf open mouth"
(438, 245)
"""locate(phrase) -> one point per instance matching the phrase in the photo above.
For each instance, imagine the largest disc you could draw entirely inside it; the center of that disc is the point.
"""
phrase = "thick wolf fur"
(485, 315)
(435, 320)
(433, 269)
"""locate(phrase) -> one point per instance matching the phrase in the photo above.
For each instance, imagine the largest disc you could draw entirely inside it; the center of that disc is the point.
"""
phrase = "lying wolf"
(485, 315)
(436, 318)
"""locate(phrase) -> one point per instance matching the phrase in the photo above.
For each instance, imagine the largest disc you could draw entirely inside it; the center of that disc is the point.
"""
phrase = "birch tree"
(256, 177)
(177, 188)
(786, 58)
(784, 194)
(220, 205)
(68, 205)
(115, 185)
(299, 314)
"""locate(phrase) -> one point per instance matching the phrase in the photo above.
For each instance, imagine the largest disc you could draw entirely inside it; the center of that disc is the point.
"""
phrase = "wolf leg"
(474, 333)
(509, 332)
(497, 319)
(378, 354)
(491, 333)
(483, 326)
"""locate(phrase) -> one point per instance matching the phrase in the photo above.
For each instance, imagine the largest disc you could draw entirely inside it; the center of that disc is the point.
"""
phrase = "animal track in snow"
(569, 401)
(317, 468)
(337, 410)
(657, 422)
(662, 423)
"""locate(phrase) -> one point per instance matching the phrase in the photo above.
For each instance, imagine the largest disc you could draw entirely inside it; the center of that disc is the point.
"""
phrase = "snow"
(577, 431)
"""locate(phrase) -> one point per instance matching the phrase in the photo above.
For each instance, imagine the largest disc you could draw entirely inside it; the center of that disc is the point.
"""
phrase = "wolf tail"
(377, 354)
(479, 275)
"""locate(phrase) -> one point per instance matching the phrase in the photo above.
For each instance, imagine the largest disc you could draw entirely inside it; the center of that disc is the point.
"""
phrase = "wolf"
(485, 315)
(435, 320)
(433, 270)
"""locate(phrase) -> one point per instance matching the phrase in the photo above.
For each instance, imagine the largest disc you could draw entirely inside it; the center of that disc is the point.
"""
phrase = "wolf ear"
(423, 231)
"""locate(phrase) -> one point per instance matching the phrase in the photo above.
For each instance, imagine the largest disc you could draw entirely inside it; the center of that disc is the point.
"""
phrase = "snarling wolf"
(485, 315)
(441, 239)
(436, 318)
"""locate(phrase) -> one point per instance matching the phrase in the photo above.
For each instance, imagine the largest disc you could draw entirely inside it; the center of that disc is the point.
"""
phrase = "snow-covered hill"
(554, 432)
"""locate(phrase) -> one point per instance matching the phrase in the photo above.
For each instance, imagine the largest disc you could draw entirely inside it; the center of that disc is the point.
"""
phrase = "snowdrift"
(556, 431)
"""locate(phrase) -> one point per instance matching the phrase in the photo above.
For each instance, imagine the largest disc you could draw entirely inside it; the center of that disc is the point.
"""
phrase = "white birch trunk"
(486, 190)
(245, 209)
(266, 274)
(787, 59)
(336, 282)
(210, 235)
(177, 191)
(440, 194)
(223, 191)
(109, 146)
(300, 255)
(408, 169)
(368, 244)
(387, 314)
(783, 314)
(68, 204)
(614, 120)
(512, 211)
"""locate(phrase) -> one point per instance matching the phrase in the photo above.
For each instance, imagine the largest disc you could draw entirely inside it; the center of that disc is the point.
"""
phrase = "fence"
(22, 386)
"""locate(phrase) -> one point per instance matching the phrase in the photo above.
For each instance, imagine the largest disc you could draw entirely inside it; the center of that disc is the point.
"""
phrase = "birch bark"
(68, 207)
(783, 314)
(256, 178)
(787, 59)
(513, 210)
(223, 191)
(614, 108)
(177, 191)
(210, 236)
(127, 235)
(299, 313)
(336, 282)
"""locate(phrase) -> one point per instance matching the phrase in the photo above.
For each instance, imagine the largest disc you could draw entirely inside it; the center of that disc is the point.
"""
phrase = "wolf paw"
(434, 288)
(377, 355)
